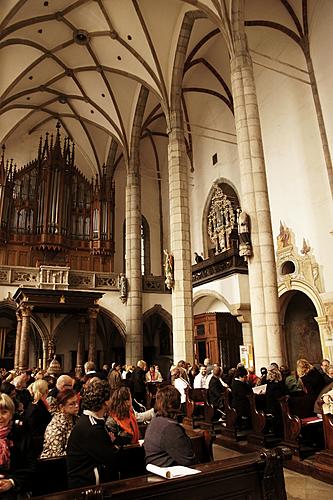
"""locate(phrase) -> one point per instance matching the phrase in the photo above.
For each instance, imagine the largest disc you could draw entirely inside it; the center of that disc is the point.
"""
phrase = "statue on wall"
(284, 237)
(51, 347)
(168, 269)
(221, 220)
(123, 287)
(245, 246)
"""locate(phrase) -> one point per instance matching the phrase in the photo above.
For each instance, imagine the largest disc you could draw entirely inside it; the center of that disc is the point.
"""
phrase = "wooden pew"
(302, 431)
(256, 476)
(230, 434)
(51, 474)
(261, 434)
(324, 458)
(199, 412)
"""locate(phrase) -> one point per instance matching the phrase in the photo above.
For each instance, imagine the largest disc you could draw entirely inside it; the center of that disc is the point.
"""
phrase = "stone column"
(18, 340)
(244, 317)
(93, 312)
(80, 347)
(180, 241)
(262, 269)
(134, 333)
(25, 330)
(45, 354)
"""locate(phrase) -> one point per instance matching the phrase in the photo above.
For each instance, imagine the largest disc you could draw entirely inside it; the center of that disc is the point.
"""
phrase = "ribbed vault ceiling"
(83, 62)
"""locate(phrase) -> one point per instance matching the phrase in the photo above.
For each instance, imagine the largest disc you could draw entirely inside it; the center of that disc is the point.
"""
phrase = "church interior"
(166, 182)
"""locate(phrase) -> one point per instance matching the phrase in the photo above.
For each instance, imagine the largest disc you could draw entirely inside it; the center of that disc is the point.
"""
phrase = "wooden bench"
(230, 434)
(324, 458)
(256, 476)
(199, 412)
(51, 474)
(261, 434)
(302, 431)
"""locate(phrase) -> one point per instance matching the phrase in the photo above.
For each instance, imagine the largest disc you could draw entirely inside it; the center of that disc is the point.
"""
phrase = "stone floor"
(298, 486)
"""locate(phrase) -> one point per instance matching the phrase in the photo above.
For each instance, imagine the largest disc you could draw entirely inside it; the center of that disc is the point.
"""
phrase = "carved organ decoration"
(221, 221)
(50, 214)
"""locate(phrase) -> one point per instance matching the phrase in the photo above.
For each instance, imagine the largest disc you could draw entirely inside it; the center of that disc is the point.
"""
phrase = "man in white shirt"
(200, 379)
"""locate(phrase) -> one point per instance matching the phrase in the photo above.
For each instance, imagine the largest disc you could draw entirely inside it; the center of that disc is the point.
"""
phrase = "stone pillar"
(180, 242)
(93, 312)
(262, 269)
(244, 317)
(18, 340)
(45, 354)
(25, 330)
(134, 331)
(80, 347)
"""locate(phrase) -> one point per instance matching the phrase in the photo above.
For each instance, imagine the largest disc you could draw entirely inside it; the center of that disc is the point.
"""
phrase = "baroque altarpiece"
(51, 214)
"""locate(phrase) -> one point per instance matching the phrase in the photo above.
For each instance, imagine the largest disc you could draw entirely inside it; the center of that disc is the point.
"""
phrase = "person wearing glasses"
(61, 425)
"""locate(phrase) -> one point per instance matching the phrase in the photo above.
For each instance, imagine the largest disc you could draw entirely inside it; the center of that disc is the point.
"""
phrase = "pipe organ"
(51, 214)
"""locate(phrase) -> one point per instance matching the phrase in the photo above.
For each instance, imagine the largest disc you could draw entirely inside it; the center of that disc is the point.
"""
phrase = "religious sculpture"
(123, 288)
(221, 220)
(168, 269)
(245, 246)
(50, 350)
(284, 237)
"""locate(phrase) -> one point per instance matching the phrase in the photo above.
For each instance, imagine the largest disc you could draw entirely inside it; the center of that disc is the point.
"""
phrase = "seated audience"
(239, 391)
(216, 389)
(324, 367)
(293, 385)
(200, 379)
(114, 377)
(153, 375)
(193, 372)
(64, 382)
(263, 373)
(17, 463)
(181, 385)
(252, 378)
(58, 430)
(166, 442)
(90, 453)
(23, 396)
(37, 415)
(312, 380)
(138, 383)
(275, 389)
(121, 421)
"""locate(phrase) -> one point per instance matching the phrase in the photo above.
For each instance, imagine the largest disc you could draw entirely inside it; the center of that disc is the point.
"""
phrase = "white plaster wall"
(151, 299)
(112, 302)
(223, 293)
(296, 172)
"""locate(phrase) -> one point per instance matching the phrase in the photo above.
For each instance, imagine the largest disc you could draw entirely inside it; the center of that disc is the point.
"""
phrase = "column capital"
(18, 315)
(93, 312)
(25, 310)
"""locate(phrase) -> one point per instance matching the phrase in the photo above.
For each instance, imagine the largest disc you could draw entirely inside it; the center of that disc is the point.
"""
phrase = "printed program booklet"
(171, 472)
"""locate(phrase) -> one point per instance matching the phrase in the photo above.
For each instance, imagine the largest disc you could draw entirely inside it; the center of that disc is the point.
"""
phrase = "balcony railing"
(218, 266)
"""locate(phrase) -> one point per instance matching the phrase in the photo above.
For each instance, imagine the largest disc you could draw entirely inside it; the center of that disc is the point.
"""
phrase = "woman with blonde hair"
(37, 415)
(312, 380)
(17, 464)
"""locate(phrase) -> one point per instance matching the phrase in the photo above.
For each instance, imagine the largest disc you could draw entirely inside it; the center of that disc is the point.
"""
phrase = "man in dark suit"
(216, 390)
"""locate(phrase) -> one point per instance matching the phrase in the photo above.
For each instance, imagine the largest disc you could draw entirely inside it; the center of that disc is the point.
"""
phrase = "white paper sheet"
(171, 472)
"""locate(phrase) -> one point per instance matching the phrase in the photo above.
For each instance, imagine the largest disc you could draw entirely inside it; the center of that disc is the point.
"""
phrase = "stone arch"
(197, 295)
(286, 291)
(157, 342)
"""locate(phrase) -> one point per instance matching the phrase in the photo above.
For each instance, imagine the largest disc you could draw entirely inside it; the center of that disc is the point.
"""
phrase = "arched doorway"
(301, 330)
(157, 341)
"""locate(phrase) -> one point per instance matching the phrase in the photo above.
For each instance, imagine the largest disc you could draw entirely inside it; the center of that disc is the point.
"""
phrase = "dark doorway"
(302, 331)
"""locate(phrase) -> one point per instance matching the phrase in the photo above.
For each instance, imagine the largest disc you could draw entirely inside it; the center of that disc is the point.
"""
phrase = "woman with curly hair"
(166, 442)
(90, 452)
(61, 425)
(122, 422)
